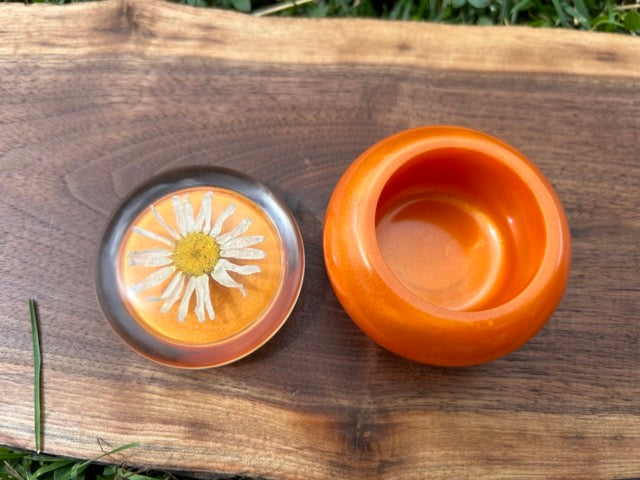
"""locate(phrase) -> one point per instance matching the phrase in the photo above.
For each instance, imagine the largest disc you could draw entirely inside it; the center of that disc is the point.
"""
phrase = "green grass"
(596, 15)
(20, 465)
(17, 465)
(37, 375)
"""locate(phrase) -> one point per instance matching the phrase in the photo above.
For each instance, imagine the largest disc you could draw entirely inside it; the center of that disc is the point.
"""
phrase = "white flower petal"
(175, 295)
(199, 310)
(188, 211)
(183, 309)
(202, 290)
(242, 242)
(155, 251)
(168, 292)
(241, 269)
(237, 231)
(138, 257)
(181, 217)
(217, 226)
(203, 222)
(151, 235)
(171, 231)
(203, 300)
(221, 276)
(153, 262)
(148, 259)
(207, 298)
(243, 253)
(156, 278)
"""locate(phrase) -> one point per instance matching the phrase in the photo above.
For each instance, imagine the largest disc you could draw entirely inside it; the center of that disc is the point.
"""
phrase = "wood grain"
(94, 99)
(169, 30)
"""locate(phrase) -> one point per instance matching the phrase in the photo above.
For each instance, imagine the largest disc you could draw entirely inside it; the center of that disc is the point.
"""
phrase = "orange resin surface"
(446, 246)
(444, 250)
(233, 310)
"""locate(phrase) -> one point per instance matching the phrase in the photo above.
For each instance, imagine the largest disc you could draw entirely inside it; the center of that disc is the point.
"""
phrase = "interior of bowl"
(460, 229)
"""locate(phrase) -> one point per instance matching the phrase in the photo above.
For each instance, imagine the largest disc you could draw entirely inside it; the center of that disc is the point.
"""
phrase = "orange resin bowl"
(446, 246)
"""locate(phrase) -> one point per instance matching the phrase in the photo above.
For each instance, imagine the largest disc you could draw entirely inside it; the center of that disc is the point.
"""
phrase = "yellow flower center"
(196, 254)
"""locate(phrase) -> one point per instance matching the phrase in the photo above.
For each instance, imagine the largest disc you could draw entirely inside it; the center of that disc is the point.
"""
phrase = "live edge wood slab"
(96, 98)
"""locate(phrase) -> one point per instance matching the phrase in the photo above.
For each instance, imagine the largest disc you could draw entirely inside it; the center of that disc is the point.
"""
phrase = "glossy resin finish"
(446, 246)
(199, 267)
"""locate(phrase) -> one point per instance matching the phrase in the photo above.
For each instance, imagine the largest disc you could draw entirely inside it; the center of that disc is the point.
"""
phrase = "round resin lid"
(199, 267)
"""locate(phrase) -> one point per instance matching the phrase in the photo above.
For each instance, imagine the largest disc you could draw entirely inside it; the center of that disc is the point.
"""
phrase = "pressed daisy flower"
(194, 251)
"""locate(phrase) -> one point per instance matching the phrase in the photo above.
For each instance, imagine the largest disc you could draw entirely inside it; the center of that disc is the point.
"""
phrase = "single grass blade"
(37, 375)
(521, 6)
(278, 7)
(433, 10)
(577, 16)
(582, 8)
(561, 16)
(504, 8)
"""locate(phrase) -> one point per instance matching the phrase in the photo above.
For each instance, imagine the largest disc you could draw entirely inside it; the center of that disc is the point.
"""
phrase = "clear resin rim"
(172, 330)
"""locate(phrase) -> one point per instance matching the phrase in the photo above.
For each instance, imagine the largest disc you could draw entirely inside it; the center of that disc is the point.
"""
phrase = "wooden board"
(96, 98)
